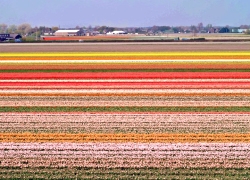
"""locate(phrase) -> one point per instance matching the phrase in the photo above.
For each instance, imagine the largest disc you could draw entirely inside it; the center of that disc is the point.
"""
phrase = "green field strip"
(121, 70)
(123, 109)
(124, 173)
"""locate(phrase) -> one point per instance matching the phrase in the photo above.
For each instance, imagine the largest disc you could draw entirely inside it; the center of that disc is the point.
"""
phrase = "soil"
(124, 47)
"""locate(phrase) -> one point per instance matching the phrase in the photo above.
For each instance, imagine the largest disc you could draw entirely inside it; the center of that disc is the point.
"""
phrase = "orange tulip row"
(121, 57)
(149, 138)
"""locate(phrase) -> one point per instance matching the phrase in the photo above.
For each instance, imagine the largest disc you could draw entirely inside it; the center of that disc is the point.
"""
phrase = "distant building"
(48, 34)
(116, 32)
(234, 30)
(4, 37)
(238, 30)
(69, 32)
(242, 30)
(224, 30)
(91, 33)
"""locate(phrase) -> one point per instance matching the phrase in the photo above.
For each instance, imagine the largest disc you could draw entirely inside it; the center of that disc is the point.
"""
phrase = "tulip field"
(125, 115)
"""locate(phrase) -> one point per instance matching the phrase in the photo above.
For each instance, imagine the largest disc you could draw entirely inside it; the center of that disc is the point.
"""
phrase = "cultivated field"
(125, 47)
(128, 111)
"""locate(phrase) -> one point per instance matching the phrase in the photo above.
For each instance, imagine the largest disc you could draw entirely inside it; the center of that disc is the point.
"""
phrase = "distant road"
(123, 47)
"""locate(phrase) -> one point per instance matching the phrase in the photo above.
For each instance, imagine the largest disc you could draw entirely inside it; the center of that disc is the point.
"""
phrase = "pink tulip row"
(126, 80)
(120, 91)
(127, 146)
(129, 150)
(242, 85)
(123, 117)
(125, 98)
(112, 123)
(126, 154)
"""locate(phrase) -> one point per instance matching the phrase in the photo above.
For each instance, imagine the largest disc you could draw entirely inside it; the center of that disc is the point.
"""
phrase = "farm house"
(68, 32)
(4, 37)
(116, 32)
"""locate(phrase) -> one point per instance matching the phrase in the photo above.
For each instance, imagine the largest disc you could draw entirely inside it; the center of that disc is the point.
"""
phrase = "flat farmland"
(125, 47)
(125, 110)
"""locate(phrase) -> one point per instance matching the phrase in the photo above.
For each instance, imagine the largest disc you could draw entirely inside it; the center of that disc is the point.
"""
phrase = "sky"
(125, 13)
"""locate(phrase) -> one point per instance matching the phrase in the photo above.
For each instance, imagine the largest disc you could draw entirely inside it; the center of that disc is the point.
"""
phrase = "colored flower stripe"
(120, 85)
(125, 122)
(123, 138)
(61, 94)
(156, 57)
(127, 80)
(127, 150)
(120, 60)
(127, 55)
(123, 92)
(119, 70)
(103, 54)
(129, 66)
(76, 38)
(123, 103)
(126, 75)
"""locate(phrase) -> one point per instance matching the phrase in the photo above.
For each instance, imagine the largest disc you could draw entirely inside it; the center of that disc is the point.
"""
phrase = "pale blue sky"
(124, 13)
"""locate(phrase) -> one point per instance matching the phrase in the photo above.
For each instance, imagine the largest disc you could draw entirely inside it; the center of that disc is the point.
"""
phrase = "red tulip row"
(126, 75)
(120, 85)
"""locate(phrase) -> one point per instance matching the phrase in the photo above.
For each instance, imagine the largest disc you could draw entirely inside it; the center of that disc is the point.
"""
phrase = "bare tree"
(194, 30)
(244, 27)
(247, 31)
(3, 28)
(200, 27)
(54, 28)
(24, 28)
(12, 29)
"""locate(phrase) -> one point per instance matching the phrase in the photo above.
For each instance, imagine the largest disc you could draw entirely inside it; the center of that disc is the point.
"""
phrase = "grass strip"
(122, 70)
(123, 109)
(124, 173)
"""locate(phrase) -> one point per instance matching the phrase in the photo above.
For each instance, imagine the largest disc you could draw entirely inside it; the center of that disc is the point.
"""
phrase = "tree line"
(26, 29)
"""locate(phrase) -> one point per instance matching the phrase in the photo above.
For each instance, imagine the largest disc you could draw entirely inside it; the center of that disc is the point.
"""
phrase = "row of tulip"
(164, 66)
(121, 127)
(126, 75)
(127, 80)
(118, 138)
(126, 150)
(125, 103)
(124, 123)
(128, 53)
(126, 98)
(125, 85)
(125, 92)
